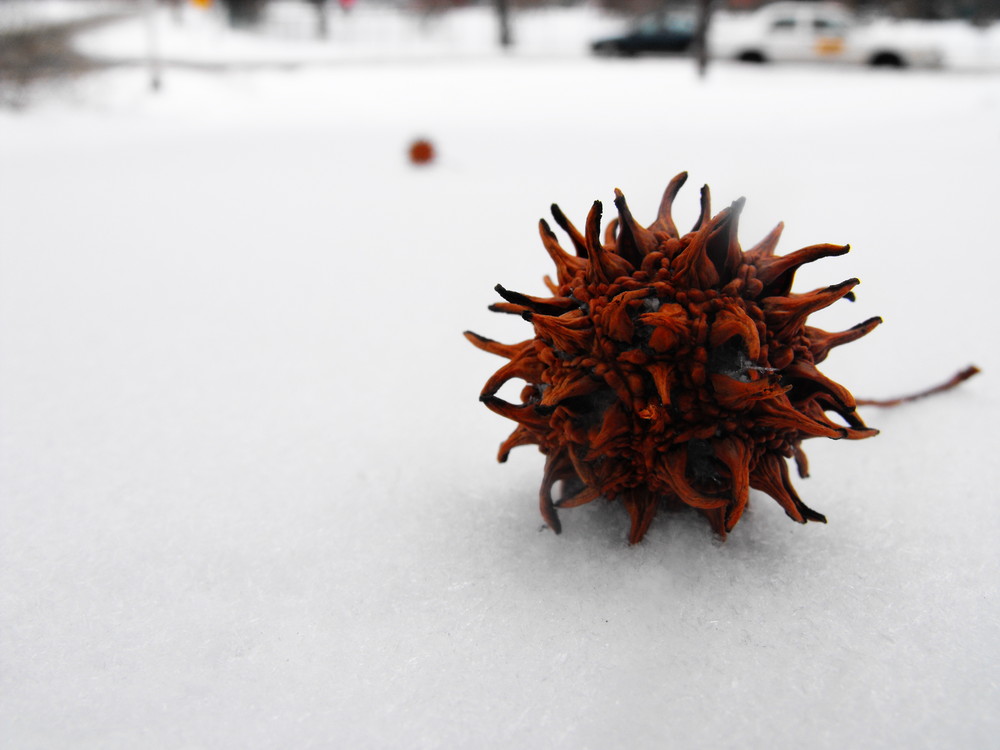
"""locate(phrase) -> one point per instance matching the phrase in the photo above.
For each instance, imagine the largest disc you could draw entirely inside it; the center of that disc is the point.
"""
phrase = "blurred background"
(248, 495)
(47, 42)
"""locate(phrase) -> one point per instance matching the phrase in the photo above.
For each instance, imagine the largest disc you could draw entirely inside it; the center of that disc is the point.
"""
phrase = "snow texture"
(248, 496)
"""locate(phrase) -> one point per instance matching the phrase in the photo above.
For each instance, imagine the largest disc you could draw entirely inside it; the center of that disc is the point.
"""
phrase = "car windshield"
(680, 24)
(653, 24)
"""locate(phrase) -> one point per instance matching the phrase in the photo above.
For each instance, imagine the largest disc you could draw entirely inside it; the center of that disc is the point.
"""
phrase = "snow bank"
(23, 15)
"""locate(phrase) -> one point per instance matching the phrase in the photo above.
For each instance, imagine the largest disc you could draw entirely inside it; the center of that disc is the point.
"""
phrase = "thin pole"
(503, 16)
(152, 46)
(701, 36)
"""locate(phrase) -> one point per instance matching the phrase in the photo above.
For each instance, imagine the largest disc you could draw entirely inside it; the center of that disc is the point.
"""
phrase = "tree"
(244, 12)
(503, 17)
(322, 18)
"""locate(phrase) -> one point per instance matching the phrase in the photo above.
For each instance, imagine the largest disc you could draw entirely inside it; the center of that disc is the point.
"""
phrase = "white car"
(811, 31)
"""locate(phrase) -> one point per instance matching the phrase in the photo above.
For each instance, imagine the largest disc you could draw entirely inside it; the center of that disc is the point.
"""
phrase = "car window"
(783, 24)
(647, 26)
(828, 26)
(680, 24)
(654, 25)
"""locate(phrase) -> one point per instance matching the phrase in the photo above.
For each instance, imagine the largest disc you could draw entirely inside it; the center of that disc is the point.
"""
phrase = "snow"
(24, 15)
(248, 496)
(383, 32)
(367, 32)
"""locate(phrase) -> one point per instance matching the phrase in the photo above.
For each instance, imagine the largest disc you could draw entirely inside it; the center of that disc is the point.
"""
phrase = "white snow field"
(249, 498)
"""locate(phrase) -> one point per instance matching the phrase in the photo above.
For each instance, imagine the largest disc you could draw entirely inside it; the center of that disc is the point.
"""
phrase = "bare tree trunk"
(503, 16)
(176, 11)
(701, 36)
(322, 19)
(984, 11)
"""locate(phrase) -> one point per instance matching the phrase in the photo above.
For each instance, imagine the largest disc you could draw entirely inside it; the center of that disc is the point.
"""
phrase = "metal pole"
(152, 45)
(701, 35)
(503, 16)
(324, 19)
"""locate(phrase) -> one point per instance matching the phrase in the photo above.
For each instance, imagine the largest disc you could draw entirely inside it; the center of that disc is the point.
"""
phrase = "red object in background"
(421, 151)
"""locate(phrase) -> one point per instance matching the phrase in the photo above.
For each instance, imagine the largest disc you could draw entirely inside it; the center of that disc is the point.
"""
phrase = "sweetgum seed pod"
(673, 368)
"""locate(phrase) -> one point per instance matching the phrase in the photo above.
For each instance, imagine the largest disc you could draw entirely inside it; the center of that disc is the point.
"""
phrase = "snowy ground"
(248, 497)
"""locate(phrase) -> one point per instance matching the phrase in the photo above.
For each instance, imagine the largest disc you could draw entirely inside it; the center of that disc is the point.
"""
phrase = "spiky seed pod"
(670, 368)
(422, 151)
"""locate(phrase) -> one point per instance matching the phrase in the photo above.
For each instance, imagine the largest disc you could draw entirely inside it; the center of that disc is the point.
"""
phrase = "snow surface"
(248, 496)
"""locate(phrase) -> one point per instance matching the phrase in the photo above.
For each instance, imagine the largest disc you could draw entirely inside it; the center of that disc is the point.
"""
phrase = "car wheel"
(887, 60)
(752, 56)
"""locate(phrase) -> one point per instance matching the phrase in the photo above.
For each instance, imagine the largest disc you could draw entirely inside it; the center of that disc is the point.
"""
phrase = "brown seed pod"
(421, 151)
(671, 368)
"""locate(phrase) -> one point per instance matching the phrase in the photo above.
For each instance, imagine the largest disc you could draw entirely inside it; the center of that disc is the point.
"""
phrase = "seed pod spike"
(521, 436)
(735, 455)
(554, 306)
(771, 476)
(574, 234)
(802, 371)
(692, 266)
(801, 460)
(545, 503)
(560, 333)
(787, 315)
(641, 509)
(558, 468)
(706, 208)
(678, 465)
(582, 497)
(509, 371)
(566, 264)
(722, 246)
(635, 242)
(605, 265)
(526, 415)
(495, 347)
(766, 247)
(664, 219)
(597, 271)
(777, 273)
(581, 386)
(821, 342)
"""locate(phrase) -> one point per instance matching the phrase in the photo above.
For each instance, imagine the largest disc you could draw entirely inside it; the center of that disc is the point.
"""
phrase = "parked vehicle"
(670, 34)
(820, 31)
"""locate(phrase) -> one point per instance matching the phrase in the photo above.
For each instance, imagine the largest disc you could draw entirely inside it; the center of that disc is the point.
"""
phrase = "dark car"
(650, 35)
